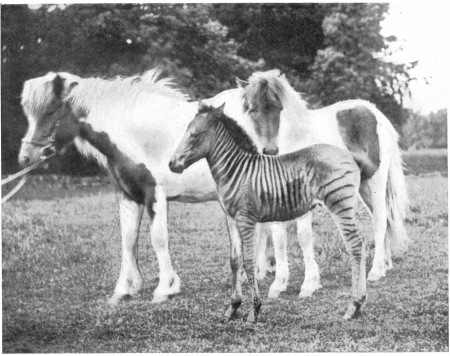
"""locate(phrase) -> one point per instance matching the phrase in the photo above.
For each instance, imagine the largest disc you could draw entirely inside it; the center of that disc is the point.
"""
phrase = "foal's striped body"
(257, 188)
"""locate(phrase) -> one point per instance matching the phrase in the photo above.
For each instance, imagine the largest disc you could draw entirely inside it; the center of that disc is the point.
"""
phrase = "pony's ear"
(62, 86)
(282, 76)
(241, 83)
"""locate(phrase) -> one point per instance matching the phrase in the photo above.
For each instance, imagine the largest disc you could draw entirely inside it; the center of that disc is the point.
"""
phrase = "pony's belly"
(194, 185)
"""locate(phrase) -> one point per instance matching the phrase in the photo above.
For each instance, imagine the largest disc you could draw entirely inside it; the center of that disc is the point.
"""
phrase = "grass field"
(61, 253)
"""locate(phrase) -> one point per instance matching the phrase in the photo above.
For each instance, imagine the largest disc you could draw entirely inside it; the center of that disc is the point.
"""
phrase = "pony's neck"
(294, 108)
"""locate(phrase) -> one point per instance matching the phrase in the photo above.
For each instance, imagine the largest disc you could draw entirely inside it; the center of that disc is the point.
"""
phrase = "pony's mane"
(124, 90)
(271, 89)
(237, 133)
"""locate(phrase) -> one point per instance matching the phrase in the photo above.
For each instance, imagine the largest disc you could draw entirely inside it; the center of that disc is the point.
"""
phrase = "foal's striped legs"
(356, 247)
(339, 195)
(247, 225)
(236, 270)
(344, 216)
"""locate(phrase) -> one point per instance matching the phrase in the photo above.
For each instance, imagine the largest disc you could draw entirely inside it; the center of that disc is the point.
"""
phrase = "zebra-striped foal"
(256, 188)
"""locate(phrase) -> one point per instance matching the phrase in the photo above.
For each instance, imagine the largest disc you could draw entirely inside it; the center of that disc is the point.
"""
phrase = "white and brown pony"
(284, 124)
(134, 124)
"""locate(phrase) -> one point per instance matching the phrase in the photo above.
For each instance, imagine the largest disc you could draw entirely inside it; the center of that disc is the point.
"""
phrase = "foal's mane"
(237, 133)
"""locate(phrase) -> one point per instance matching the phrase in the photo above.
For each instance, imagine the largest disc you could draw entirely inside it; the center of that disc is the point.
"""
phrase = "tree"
(331, 51)
(285, 36)
(351, 64)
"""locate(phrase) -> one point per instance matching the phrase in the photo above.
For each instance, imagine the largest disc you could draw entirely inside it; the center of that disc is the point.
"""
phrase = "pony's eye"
(195, 134)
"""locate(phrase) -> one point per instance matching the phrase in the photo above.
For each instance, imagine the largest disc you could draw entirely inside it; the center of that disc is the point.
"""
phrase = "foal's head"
(196, 142)
(262, 96)
(51, 122)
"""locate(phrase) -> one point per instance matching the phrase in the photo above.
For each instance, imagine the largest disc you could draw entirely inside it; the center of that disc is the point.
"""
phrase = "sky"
(423, 32)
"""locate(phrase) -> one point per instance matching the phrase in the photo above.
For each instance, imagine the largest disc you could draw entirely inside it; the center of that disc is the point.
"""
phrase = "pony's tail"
(397, 204)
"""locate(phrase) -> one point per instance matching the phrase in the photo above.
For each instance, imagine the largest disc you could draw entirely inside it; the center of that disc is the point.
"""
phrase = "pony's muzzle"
(270, 150)
(47, 151)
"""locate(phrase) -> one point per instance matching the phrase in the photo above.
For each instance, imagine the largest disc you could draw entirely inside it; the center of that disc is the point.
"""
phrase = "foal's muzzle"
(176, 166)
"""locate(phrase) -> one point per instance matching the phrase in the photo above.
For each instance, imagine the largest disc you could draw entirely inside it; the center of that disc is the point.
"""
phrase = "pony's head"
(51, 122)
(263, 97)
(196, 142)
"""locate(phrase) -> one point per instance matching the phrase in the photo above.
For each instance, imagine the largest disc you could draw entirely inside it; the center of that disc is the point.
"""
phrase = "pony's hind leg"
(279, 236)
(377, 191)
(236, 270)
(130, 279)
(169, 281)
(262, 231)
(306, 241)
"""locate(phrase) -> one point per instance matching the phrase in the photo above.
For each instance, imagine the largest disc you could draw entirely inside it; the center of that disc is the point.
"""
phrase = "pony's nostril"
(26, 160)
(170, 164)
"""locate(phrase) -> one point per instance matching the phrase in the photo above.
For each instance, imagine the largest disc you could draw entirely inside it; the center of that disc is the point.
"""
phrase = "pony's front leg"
(169, 281)
(265, 258)
(279, 236)
(306, 240)
(236, 270)
(246, 226)
(130, 279)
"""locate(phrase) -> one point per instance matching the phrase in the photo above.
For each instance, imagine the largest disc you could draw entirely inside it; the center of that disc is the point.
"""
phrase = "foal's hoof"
(353, 310)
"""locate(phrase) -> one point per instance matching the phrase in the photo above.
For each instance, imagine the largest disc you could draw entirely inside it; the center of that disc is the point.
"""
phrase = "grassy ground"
(61, 253)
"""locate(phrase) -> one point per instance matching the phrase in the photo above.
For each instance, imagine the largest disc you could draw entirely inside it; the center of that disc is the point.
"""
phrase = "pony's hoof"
(116, 299)
(306, 293)
(274, 294)
(175, 286)
(261, 274)
(375, 275)
(159, 299)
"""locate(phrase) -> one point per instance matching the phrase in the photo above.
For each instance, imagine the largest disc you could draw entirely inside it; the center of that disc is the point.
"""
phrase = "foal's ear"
(63, 86)
(221, 108)
(202, 106)
(241, 83)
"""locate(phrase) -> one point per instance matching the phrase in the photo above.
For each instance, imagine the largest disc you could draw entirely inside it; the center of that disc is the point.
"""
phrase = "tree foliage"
(331, 51)
(425, 131)
(351, 66)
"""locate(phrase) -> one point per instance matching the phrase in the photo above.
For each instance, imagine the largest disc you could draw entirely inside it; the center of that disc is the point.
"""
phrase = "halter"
(46, 144)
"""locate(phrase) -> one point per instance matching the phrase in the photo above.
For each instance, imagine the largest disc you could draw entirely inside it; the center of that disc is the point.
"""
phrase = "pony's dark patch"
(135, 180)
(358, 129)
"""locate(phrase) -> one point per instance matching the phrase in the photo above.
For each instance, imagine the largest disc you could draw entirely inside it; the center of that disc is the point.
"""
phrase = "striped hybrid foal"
(255, 188)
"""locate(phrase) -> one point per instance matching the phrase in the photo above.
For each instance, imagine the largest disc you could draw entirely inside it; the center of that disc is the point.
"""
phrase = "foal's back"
(299, 180)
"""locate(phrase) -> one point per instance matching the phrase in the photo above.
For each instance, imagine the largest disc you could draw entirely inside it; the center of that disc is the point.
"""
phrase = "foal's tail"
(397, 203)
